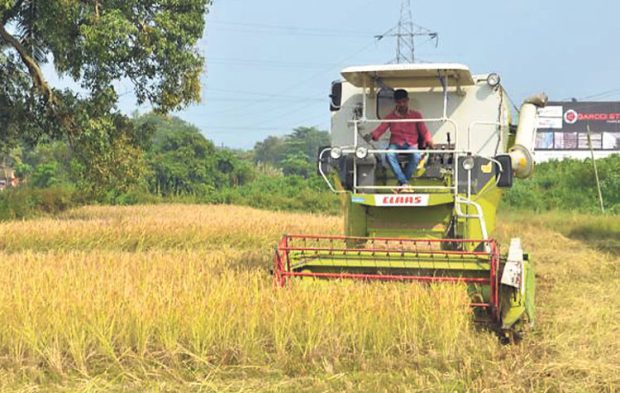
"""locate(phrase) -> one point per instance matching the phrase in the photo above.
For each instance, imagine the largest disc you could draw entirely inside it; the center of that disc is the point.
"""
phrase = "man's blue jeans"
(412, 164)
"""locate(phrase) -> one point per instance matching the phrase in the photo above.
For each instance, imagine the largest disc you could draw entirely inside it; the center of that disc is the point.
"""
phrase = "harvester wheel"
(509, 337)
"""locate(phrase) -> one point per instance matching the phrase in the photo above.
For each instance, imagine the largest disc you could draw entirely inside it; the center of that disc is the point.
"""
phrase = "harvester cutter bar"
(297, 255)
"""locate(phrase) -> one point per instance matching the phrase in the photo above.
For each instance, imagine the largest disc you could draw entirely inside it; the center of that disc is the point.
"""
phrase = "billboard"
(564, 126)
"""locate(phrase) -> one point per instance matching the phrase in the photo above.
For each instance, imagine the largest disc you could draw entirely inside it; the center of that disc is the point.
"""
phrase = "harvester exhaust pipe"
(521, 153)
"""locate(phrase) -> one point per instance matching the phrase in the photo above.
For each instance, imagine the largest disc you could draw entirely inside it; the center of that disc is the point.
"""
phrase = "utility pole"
(406, 32)
(598, 183)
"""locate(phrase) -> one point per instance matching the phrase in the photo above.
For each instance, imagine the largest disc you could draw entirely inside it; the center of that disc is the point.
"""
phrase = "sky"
(270, 63)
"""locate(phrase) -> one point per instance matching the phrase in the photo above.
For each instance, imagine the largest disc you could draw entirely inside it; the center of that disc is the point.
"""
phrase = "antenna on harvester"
(405, 32)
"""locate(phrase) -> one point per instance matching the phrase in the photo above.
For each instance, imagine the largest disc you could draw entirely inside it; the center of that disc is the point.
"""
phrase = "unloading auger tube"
(521, 152)
(441, 229)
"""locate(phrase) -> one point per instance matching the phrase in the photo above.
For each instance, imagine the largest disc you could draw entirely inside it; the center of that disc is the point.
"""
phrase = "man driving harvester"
(403, 136)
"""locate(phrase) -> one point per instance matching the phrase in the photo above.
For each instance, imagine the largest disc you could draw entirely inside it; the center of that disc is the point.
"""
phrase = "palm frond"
(28, 31)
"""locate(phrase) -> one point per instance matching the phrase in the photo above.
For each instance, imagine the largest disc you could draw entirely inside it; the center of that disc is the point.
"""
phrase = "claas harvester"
(440, 229)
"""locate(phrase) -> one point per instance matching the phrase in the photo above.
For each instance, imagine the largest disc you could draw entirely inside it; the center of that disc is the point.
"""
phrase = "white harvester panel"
(471, 104)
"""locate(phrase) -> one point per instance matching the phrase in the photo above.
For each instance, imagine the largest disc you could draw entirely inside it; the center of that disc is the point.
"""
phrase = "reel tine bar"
(373, 248)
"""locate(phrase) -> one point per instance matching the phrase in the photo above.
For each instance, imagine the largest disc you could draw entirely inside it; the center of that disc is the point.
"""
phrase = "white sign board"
(549, 122)
(550, 117)
(550, 111)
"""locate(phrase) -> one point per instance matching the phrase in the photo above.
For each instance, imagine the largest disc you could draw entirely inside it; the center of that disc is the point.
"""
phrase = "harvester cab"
(438, 229)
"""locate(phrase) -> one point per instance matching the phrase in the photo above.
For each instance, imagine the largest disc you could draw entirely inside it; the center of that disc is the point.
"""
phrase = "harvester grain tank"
(441, 228)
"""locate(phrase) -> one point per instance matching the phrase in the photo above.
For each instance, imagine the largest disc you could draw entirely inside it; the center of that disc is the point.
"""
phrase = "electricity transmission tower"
(406, 32)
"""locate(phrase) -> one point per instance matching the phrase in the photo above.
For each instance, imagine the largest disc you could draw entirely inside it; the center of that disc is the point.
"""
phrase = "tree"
(303, 140)
(297, 164)
(307, 141)
(183, 162)
(294, 153)
(271, 150)
(93, 42)
(46, 165)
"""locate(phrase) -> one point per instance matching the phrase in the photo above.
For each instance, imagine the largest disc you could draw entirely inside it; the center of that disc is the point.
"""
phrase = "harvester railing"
(391, 259)
(456, 152)
(443, 120)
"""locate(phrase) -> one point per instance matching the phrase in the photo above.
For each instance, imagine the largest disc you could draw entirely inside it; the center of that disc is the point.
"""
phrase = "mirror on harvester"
(504, 177)
(335, 98)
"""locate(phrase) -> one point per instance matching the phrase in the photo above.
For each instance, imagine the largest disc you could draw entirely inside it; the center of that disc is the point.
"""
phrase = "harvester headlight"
(361, 152)
(468, 163)
(493, 79)
(336, 153)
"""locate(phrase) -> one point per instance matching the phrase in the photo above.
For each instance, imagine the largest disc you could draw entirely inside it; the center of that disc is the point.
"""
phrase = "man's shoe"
(399, 188)
(406, 188)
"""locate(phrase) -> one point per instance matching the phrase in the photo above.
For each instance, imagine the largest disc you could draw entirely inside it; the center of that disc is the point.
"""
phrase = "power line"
(286, 114)
(294, 108)
(238, 99)
(261, 123)
(266, 64)
(602, 94)
(255, 93)
(299, 83)
(289, 34)
(243, 128)
(289, 30)
(267, 61)
(263, 126)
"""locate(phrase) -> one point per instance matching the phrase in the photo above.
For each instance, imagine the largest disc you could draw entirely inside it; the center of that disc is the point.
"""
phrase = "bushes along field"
(568, 185)
(562, 186)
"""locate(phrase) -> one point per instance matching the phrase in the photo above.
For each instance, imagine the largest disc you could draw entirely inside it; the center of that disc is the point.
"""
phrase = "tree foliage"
(294, 153)
(151, 44)
(183, 162)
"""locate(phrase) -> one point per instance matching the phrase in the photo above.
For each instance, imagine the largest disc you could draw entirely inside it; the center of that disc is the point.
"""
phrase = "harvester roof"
(408, 75)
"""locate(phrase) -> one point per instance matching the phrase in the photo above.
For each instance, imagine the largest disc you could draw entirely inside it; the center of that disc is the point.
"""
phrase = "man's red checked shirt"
(401, 133)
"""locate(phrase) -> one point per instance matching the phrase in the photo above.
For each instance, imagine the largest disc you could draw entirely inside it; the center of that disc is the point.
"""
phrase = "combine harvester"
(440, 229)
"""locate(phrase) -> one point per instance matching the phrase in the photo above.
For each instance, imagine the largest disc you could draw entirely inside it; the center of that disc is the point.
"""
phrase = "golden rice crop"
(160, 227)
(134, 291)
(96, 312)
(178, 297)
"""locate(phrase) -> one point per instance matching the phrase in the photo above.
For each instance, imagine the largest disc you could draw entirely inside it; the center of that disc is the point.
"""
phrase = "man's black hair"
(400, 94)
